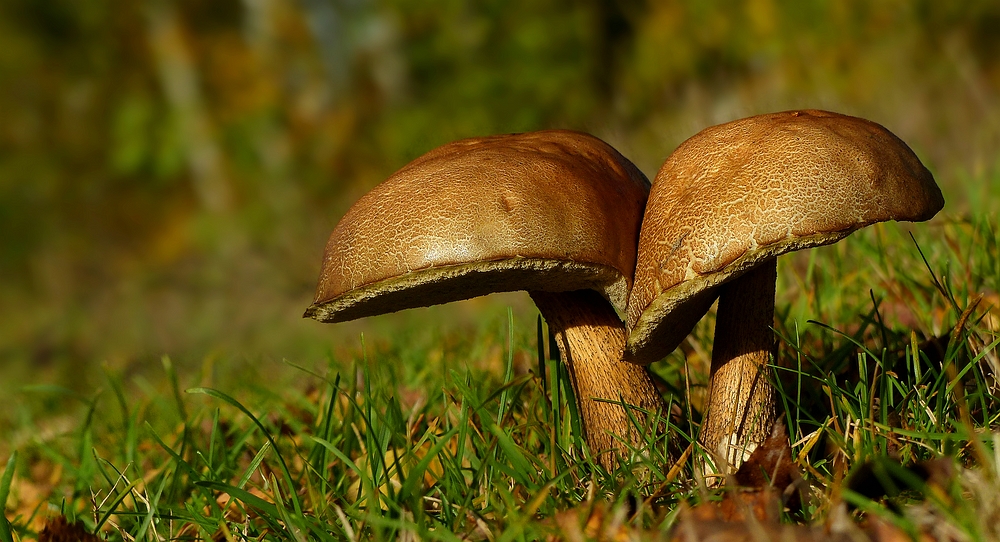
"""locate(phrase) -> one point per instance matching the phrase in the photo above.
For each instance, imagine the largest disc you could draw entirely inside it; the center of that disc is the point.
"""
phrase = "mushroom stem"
(591, 338)
(740, 405)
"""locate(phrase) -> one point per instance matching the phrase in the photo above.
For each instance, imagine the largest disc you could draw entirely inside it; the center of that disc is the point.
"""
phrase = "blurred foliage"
(169, 169)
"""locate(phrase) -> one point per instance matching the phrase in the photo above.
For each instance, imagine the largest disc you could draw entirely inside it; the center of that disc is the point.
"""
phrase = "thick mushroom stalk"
(740, 410)
(591, 339)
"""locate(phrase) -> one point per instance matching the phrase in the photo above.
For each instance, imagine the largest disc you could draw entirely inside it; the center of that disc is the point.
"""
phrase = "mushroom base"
(741, 406)
(591, 339)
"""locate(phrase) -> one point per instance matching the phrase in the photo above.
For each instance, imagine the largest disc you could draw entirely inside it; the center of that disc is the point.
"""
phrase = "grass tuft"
(883, 369)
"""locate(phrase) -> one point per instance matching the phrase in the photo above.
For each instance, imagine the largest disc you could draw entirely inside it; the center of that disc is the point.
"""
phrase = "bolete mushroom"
(726, 203)
(556, 213)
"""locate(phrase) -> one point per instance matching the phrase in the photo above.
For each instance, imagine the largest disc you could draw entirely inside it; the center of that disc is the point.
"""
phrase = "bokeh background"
(170, 169)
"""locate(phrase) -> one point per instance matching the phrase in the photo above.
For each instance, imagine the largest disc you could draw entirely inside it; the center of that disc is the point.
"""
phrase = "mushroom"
(556, 213)
(724, 206)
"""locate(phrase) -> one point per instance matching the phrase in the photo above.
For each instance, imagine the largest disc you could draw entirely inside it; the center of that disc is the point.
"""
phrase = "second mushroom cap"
(740, 193)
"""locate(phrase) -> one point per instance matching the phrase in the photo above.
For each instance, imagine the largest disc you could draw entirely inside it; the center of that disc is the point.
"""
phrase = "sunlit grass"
(887, 349)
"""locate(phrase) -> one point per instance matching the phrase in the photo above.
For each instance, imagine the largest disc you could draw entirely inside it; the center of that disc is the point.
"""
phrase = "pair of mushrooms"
(567, 218)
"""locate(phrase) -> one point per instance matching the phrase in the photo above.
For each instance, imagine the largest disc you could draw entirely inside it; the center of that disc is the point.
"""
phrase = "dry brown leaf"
(770, 464)
(740, 506)
(763, 485)
(597, 521)
(879, 530)
(694, 527)
(58, 529)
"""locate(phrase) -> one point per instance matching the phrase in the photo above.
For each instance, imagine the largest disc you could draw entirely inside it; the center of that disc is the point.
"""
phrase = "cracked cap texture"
(737, 194)
(553, 210)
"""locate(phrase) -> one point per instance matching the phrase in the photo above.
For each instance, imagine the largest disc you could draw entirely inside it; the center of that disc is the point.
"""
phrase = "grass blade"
(284, 467)
(114, 504)
(5, 482)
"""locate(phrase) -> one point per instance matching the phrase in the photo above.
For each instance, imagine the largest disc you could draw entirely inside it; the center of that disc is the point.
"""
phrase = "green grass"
(884, 351)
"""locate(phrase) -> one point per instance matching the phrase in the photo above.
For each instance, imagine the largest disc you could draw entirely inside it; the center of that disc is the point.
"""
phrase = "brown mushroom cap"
(740, 193)
(551, 211)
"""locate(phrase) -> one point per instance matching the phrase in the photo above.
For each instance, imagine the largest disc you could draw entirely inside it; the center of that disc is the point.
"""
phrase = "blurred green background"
(169, 170)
